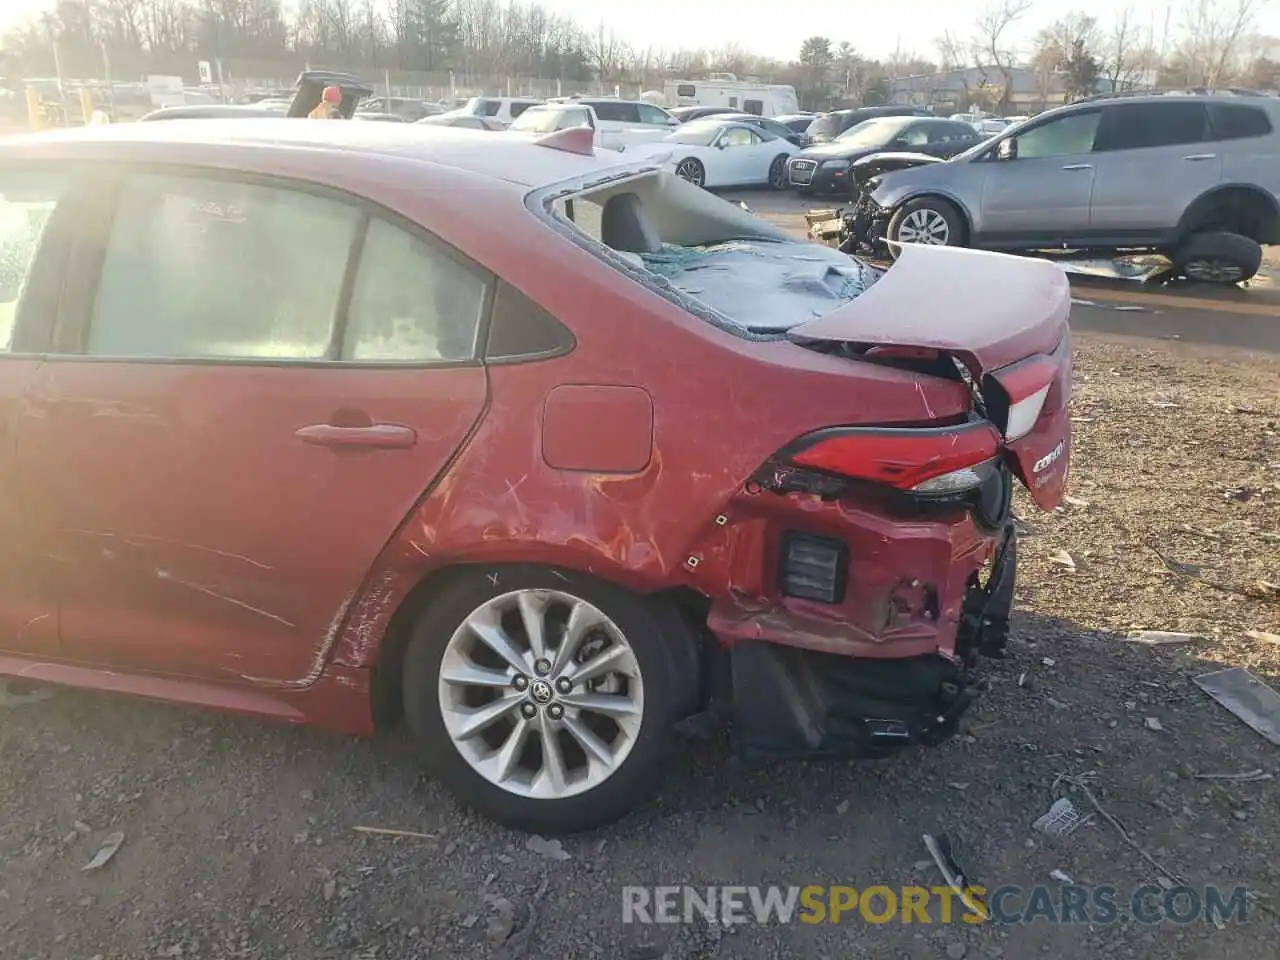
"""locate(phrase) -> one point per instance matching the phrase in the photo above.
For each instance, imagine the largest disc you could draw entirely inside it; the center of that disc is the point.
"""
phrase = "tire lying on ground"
(1217, 257)
(545, 699)
(930, 220)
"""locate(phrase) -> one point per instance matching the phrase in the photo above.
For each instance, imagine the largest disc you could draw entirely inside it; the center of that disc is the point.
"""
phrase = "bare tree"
(1214, 34)
(991, 45)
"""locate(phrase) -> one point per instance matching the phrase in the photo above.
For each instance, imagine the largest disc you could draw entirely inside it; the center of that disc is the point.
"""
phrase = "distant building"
(956, 91)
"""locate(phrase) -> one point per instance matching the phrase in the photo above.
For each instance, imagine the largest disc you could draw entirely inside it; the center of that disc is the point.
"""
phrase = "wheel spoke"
(581, 620)
(553, 769)
(491, 634)
(505, 760)
(533, 608)
(610, 704)
(615, 659)
(464, 673)
(597, 750)
(480, 719)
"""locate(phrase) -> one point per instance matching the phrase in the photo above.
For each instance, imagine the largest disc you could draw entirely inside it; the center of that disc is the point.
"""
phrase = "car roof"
(338, 149)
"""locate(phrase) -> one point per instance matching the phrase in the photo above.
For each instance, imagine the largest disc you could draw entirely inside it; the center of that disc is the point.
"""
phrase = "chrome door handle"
(1201, 156)
(1078, 166)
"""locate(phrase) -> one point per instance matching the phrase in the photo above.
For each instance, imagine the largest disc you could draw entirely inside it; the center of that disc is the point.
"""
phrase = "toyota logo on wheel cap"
(541, 691)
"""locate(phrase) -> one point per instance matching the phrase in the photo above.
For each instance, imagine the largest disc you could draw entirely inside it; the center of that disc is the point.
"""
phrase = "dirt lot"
(239, 837)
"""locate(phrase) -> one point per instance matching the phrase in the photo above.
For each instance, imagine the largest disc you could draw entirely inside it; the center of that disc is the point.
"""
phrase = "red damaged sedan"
(547, 452)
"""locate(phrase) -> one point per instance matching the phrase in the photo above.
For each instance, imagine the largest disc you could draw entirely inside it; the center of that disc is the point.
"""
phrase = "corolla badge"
(1050, 458)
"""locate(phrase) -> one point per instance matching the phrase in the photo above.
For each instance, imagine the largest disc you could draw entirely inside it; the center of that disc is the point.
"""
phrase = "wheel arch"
(1248, 207)
(392, 631)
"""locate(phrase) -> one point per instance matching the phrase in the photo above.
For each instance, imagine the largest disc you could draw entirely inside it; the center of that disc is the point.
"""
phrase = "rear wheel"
(778, 172)
(1217, 257)
(691, 169)
(546, 700)
(928, 220)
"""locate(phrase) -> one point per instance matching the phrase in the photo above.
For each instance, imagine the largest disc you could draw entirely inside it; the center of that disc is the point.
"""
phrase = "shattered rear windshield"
(714, 258)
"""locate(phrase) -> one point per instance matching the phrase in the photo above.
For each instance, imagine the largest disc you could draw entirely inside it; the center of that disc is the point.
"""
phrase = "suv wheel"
(1217, 257)
(927, 220)
(544, 699)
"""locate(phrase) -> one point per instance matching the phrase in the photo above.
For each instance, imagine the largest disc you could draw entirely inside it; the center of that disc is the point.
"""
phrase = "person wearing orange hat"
(329, 107)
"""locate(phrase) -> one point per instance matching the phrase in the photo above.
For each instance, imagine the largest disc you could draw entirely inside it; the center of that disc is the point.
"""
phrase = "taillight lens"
(1016, 394)
(930, 461)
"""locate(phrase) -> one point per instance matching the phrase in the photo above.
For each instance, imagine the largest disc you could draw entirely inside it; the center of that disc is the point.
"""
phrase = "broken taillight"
(927, 461)
(1015, 394)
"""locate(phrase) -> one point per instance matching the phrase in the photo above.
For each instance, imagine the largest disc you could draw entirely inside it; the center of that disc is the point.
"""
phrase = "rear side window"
(491, 107)
(201, 268)
(1233, 122)
(618, 110)
(686, 90)
(518, 108)
(651, 114)
(1135, 126)
(26, 202)
(753, 106)
(412, 301)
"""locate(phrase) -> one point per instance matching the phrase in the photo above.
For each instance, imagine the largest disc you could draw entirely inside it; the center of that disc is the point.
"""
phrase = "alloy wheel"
(778, 173)
(1213, 270)
(690, 170)
(541, 693)
(924, 226)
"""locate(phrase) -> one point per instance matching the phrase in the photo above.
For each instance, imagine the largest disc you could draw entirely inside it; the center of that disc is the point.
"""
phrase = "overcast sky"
(874, 28)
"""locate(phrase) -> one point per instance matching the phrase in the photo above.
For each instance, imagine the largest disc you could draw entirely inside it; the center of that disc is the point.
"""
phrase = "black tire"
(692, 170)
(906, 216)
(778, 172)
(1217, 257)
(663, 644)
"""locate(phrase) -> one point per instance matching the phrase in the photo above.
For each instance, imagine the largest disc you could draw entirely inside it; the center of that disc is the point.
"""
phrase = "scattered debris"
(517, 944)
(1257, 704)
(1263, 636)
(330, 889)
(110, 847)
(958, 786)
(1158, 638)
(1049, 662)
(1249, 776)
(1166, 404)
(956, 950)
(470, 920)
(551, 849)
(1060, 820)
(1063, 559)
(388, 832)
(1153, 723)
(20, 694)
(503, 920)
(842, 807)
(1075, 502)
(940, 849)
(1060, 876)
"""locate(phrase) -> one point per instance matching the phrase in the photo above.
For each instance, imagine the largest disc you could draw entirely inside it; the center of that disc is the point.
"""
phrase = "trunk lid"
(1005, 319)
(986, 309)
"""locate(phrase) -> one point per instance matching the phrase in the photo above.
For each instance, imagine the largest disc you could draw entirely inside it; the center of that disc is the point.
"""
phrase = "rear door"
(252, 383)
(1152, 160)
(34, 217)
(1041, 196)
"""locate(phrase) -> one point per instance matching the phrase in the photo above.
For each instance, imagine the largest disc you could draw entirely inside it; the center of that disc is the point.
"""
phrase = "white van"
(762, 99)
(617, 123)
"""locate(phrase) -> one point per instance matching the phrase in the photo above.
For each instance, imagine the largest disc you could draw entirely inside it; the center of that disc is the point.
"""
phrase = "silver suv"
(1193, 177)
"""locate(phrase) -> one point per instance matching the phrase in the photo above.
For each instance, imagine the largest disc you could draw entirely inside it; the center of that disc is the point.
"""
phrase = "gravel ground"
(239, 838)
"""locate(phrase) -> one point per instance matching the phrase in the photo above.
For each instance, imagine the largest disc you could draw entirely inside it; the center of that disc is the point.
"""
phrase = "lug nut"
(564, 685)
(528, 711)
(521, 683)
(542, 667)
(555, 711)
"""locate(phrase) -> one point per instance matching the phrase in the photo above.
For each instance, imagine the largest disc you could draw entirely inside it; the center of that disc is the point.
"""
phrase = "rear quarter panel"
(717, 416)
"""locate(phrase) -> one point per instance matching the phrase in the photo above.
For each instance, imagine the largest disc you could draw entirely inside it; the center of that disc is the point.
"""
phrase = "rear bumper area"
(791, 702)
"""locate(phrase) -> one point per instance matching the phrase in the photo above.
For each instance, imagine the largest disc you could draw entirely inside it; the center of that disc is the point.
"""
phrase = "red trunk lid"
(989, 311)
